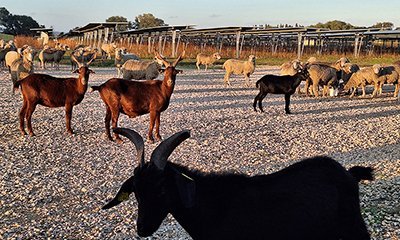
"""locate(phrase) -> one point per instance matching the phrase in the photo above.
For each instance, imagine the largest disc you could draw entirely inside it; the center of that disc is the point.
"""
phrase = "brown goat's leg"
(68, 116)
(114, 120)
(28, 115)
(158, 136)
(107, 120)
(153, 116)
(22, 114)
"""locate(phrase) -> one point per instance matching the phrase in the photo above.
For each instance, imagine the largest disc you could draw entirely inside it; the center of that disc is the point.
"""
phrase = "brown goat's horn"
(160, 155)
(179, 58)
(166, 63)
(136, 139)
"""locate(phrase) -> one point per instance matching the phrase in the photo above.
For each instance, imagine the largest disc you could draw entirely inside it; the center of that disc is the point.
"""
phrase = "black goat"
(279, 85)
(313, 199)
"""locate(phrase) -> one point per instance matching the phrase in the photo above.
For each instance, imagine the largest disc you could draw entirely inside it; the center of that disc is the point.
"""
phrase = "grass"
(6, 37)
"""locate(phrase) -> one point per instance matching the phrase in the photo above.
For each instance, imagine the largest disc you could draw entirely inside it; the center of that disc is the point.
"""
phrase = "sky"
(65, 15)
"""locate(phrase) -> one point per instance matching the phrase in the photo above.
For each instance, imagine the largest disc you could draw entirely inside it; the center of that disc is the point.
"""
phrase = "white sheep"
(291, 67)
(22, 67)
(121, 56)
(361, 78)
(204, 59)
(108, 49)
(239, 67)
(11, 56)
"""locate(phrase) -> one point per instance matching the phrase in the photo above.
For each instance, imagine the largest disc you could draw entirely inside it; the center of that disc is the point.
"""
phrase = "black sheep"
(279, 85)
(315, 198)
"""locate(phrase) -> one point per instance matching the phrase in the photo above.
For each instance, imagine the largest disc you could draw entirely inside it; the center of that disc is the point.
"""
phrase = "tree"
(16, 24)
(383, 25)
(334, 25)
(120, 19)
(147, 20)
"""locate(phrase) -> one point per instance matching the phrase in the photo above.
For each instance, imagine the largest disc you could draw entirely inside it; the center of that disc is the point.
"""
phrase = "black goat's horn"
(160, 155)
(136, 139)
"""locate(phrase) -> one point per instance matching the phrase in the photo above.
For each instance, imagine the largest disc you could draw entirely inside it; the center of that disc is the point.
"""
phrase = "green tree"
(120, 19)
(16, 24)
(147, 20)
(383, 25)
(334, 25)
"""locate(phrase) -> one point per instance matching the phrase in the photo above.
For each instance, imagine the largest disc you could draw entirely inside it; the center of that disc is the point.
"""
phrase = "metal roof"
(94, 26)
(215, 30)
(157, 29)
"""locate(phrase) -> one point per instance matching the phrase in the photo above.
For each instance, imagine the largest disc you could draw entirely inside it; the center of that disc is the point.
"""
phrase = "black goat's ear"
(187, 189)
(123, 194)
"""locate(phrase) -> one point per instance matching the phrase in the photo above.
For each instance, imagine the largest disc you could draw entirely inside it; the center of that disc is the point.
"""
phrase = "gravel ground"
(53, 185)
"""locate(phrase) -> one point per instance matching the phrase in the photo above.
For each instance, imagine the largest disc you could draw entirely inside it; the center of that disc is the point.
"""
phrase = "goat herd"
(315, 198)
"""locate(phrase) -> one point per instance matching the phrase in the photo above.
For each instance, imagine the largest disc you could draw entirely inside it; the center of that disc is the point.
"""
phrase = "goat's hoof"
(158, 138)
(288, 112)
(69, 132)
(119, 140)
(31, 134)
(110, 138)
(150, 140)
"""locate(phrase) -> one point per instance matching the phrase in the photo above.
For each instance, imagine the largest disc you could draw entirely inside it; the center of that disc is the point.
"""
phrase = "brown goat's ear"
(160, 155)
(76, 71)
(161, 70)
(91, 71)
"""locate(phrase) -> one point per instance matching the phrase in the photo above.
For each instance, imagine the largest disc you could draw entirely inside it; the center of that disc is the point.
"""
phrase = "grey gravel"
(53, 185)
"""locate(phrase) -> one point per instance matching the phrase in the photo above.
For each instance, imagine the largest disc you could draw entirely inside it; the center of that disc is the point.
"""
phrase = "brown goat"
(135, 98)
(51, 91)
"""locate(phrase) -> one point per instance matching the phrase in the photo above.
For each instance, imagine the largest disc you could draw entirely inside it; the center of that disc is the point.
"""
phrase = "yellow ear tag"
(186, 176)
(123, 196)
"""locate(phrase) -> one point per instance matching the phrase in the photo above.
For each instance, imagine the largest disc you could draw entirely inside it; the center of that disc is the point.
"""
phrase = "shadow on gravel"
(386, 103)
